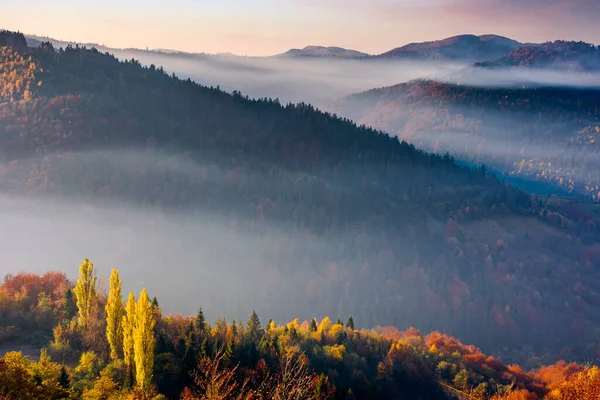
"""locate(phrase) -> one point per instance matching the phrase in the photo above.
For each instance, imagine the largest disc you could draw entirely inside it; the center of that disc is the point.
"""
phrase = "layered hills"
(390, 234)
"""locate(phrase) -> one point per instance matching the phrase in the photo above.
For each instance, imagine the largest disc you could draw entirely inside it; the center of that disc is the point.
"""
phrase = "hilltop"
(468, 48)
(321, 51)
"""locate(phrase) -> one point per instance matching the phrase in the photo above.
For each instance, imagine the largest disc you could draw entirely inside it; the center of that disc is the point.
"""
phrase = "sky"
(266, 27)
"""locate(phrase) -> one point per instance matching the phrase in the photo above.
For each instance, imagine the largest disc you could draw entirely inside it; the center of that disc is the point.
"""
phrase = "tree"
(128, 326)
(63, 378)
(313, 325)
(254, 328)
(85, 292)
(322, 388)
(114, 315)
(143, 342)
(350, 323)
(338, 322)
(214, 381)
(200, 321)
(69, 305)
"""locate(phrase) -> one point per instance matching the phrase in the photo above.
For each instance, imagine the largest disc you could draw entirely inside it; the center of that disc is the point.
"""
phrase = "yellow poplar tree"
(114, 315)
(128, 326)
(143, 342)
(85, 293)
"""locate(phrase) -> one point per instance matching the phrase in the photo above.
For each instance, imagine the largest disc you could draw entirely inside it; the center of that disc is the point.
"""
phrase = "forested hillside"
(546, 134)
(99, 346)
(564, 55)
(391, 234)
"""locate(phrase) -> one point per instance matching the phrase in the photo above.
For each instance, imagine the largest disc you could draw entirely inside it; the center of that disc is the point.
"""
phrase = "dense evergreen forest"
(395, 236)
(104, 348)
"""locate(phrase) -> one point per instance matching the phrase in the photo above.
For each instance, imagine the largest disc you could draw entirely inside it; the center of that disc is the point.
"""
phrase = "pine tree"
(204, 348)
(254, 328)
(339, 322)
(128, 326)
(63, 378)
(228, 351)
(350, 323)
(313, 325)
(69, 305)
(85, 292)
(143, 342)
(200, 321)
(114, 315)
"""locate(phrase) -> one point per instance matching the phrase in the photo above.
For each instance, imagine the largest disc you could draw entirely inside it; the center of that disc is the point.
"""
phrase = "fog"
(521, 77)
(185, 261)
(313, 80)
(187, 257)
(553, 158)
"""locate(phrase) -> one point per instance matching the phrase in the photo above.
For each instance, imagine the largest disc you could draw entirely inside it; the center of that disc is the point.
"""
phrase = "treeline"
(106, 348)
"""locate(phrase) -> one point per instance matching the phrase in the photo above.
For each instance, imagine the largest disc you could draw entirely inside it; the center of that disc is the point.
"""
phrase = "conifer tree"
(143, 342)
(204, 348)
(313, 325)
(254, 328)
(128, 326)
(200, 321)
(350, 323)
(114, 315)
(85, 292)
(69, 305)
(63, 378)
(339, 322)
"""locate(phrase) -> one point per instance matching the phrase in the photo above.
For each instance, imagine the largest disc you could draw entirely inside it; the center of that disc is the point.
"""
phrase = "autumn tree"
(114, 315)
(85, 293)
(143, 342)
(128, 326)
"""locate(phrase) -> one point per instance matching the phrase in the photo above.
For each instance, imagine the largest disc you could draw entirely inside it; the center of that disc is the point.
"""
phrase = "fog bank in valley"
(185, 261)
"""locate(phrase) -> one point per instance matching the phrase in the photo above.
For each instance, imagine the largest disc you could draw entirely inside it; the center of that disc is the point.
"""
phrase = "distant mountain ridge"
(322, 51)
(462, 47)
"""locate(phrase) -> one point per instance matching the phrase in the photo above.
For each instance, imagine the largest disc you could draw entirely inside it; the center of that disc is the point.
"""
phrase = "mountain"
(464, 48)
(546, 134)
(336, 218)
(561, 55)
(320, 51)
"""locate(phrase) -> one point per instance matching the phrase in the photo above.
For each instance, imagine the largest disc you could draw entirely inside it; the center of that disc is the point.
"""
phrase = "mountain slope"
(546, 134)
(356, 222)
(561, 55)
(468, 48)
(321, 51)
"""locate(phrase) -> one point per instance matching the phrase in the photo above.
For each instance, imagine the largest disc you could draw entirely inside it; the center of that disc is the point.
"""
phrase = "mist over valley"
(442, 189)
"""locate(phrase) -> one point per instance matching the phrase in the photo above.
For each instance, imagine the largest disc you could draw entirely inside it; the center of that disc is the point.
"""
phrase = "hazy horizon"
(266, 28)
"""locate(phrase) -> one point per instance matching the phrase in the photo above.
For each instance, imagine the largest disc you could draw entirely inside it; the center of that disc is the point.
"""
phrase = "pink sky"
(264, 27)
